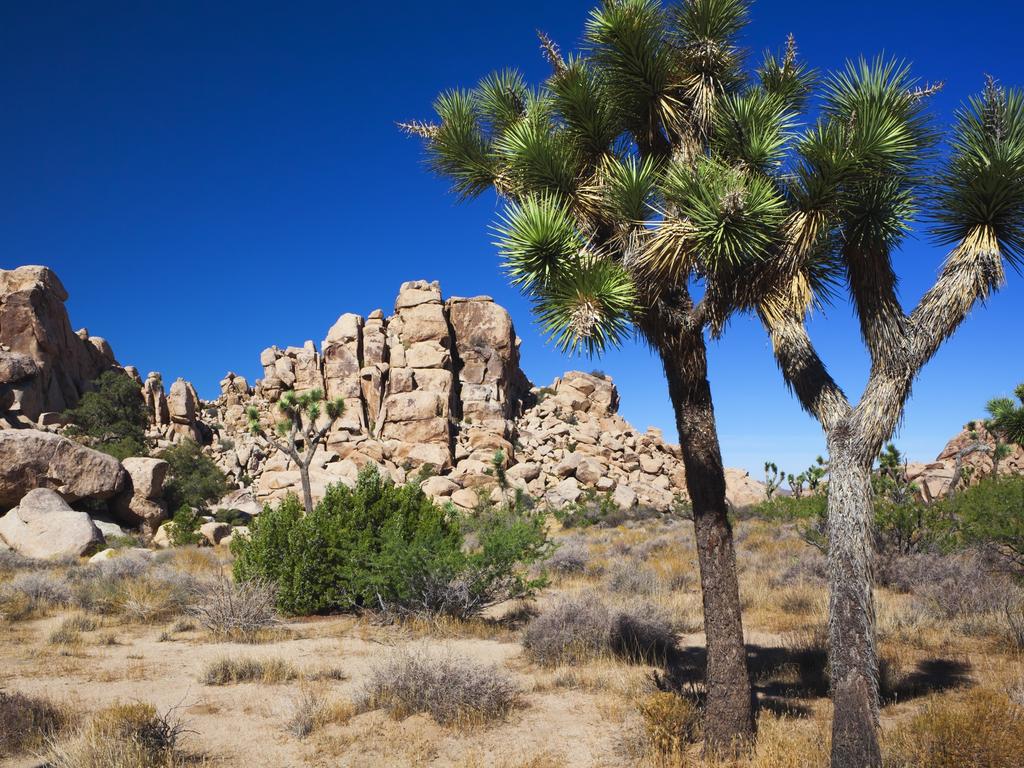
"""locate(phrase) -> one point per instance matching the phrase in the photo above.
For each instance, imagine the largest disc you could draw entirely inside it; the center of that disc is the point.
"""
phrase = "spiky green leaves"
(536, 157)
(753, 129)
(981, 186)
(459, 149)
(731, 216)
(887, 129)
(588, 306)
(711, 62)
(628, 189)
(501, 98)
(1006, 418)
(629, 40)
(786, 77)
(537, 238)
(580, 100)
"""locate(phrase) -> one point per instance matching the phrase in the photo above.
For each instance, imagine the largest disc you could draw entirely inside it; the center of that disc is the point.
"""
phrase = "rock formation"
(971, 448)
(433, 393)
(45, 367)
(32, 459)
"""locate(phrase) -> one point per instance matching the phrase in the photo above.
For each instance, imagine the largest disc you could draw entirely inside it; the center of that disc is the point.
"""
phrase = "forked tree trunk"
(853, 660)
(729, 719)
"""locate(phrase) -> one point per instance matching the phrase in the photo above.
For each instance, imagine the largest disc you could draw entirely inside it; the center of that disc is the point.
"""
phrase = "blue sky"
(211, 178)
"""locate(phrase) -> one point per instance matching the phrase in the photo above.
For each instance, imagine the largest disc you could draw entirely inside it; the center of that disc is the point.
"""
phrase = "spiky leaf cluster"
(655, 149)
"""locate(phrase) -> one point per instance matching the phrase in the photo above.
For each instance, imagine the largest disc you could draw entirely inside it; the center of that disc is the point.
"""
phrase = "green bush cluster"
(193, 478)
(111, 417)
(988, 515)
(386, 547)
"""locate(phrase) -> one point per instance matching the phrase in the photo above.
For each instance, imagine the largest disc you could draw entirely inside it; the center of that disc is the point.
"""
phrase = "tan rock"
(43, 525)
(33, 459)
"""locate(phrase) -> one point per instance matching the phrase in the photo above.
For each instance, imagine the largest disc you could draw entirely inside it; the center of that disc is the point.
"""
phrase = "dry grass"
(235, 611)
(226, 670)
(122, 736)
(977, 729)
(27, 722)
(311, 710)
(453, 690)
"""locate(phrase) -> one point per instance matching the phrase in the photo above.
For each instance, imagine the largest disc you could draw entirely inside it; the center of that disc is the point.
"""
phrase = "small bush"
(671, 722)
(235, 611)
(642, 633)
(121, 736)
(574, 630)
(312, 711)
(571, 631)
(632, 578)
(227, 670)
(386, 547)
(454, 691)
(32, 593)
(183, 530)
(991, 515)
(571, 556)
(979, 729)
(27, 722)
(193, 478)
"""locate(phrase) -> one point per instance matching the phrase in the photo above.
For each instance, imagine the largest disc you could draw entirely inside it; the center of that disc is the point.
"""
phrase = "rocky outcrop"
(971, 449)
(44, 526)
(433, 392)
(32, 459)
(45, 367)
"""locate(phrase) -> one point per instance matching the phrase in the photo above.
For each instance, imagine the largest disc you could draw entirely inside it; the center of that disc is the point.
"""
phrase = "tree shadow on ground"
(785, 679)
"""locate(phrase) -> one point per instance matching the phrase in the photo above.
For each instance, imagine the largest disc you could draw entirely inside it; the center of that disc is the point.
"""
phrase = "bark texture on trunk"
(853, 660)
(729, 718)
(307, 492)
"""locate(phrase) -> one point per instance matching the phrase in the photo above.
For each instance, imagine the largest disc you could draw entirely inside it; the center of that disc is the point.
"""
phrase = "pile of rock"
(438, 386)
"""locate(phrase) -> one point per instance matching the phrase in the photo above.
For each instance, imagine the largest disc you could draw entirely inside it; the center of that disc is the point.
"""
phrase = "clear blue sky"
(209, 179)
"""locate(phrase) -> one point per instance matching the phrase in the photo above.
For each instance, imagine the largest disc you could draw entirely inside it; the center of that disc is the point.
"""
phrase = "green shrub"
(193, 478)
(183, 530)
(991, 515)
(387, 547)
(112, 417)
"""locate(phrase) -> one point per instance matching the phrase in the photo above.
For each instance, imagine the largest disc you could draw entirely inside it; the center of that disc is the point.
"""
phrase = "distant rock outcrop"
(45, 367)
(436, 391)
(966, 459)
(433, 393)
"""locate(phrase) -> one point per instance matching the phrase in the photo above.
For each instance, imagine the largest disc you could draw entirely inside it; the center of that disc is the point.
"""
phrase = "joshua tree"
(842, 196)
(1006, 424)
(585, 166)
(306, 420)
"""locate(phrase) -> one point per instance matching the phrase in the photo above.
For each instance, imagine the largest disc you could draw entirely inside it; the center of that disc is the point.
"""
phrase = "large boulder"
(741, 490)
(44, 526)
(142, 500)
(33, 459)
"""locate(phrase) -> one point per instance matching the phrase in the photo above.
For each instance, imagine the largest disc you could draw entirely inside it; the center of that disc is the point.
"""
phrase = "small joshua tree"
(297, 432)
(773, 478)
(1006, 425)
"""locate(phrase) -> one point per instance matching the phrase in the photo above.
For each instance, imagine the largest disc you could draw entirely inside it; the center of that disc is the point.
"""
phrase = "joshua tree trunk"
(729, 720)
(853, 660)
(307, 491)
